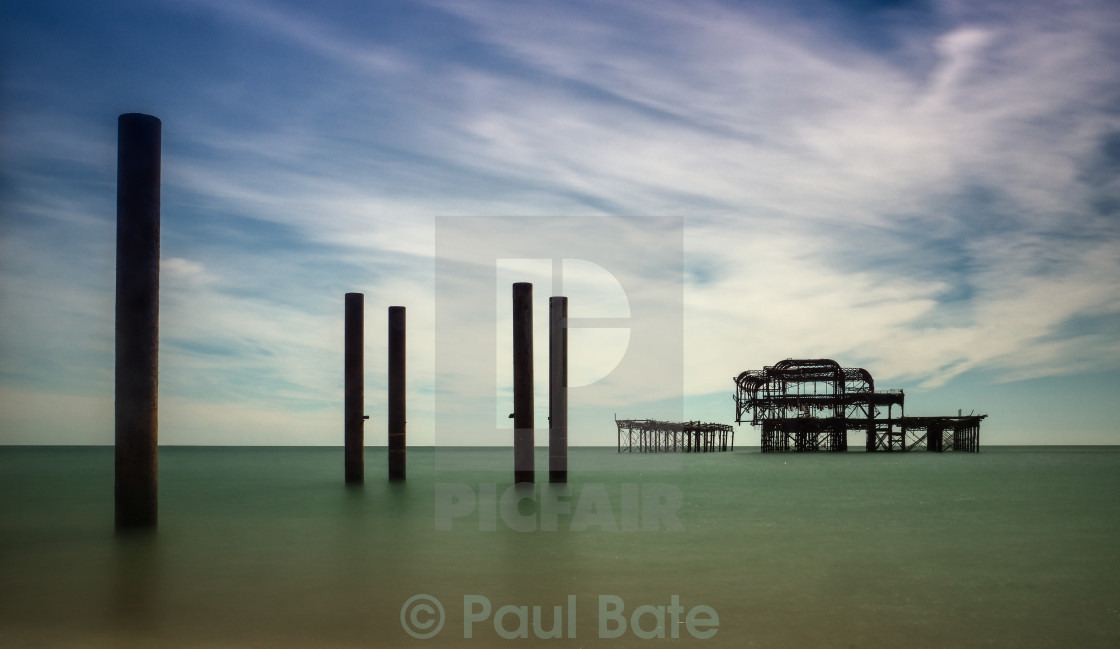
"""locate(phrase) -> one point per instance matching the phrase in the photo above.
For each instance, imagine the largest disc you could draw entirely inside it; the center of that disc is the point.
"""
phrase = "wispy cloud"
(782, 141)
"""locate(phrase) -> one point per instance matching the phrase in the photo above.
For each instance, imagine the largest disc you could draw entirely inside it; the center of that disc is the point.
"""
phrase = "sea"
(268, 547)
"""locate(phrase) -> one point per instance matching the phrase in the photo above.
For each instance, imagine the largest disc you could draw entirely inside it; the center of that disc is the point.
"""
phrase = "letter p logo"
(623, 277)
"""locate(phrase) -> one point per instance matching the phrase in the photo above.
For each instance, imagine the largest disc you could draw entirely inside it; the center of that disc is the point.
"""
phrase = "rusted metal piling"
(558, 389)
(523, 382)
(353, 417)
(137, 322)
(396, 393)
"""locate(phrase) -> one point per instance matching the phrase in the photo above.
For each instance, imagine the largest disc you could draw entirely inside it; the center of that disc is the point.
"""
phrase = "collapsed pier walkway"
(654, 436)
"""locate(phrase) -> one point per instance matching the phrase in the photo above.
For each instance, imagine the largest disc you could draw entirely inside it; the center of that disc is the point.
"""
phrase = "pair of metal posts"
(354, 368)
(523, 420)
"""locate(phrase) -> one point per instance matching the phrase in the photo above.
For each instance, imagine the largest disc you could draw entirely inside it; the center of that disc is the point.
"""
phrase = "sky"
(928, 190)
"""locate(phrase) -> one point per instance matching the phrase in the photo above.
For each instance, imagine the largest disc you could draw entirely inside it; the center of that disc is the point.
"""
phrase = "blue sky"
(929, 190)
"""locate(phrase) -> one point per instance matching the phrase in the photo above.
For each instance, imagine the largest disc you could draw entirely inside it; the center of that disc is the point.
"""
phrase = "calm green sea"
(265, 547)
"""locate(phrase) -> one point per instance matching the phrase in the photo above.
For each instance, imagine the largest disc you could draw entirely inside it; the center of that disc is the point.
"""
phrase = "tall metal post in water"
(355, 388)
(523, 382)
(137, 322)
(558, 389)
(397, 443)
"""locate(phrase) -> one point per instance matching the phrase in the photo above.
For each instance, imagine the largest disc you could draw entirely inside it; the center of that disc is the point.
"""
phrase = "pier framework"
(811, 404)
(654, 436)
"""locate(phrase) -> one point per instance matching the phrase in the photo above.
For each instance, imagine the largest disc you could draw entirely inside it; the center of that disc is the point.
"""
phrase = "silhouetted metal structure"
(354, 373)
(654, 436)
(558, 389)
(397, 422)
(136, 387)
(523, 464)
(811, 404)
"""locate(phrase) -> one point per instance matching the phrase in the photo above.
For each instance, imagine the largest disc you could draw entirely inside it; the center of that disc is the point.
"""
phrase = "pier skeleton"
(654, 436)
(811, 404)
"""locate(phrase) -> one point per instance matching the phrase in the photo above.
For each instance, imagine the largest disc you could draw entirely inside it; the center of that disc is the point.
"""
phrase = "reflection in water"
(134, 601)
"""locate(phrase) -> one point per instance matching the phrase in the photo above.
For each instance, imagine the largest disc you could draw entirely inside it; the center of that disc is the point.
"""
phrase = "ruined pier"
(654, 436)
(811, 404)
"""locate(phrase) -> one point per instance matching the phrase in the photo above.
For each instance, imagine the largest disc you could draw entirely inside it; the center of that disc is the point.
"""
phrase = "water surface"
(265, 547)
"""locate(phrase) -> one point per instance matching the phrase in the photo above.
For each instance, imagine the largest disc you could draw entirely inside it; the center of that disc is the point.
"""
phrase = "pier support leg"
(355, 388)
(523, 382)
(397, 393)
(137, 322)
(558, 389)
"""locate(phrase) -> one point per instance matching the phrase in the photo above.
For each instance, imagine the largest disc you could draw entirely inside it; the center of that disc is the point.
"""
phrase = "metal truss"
(653, 436)
(811, 404)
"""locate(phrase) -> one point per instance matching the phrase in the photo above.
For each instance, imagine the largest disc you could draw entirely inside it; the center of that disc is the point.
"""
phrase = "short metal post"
(397, 393)
(558, 389)
(523, 382)
(355, 388)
